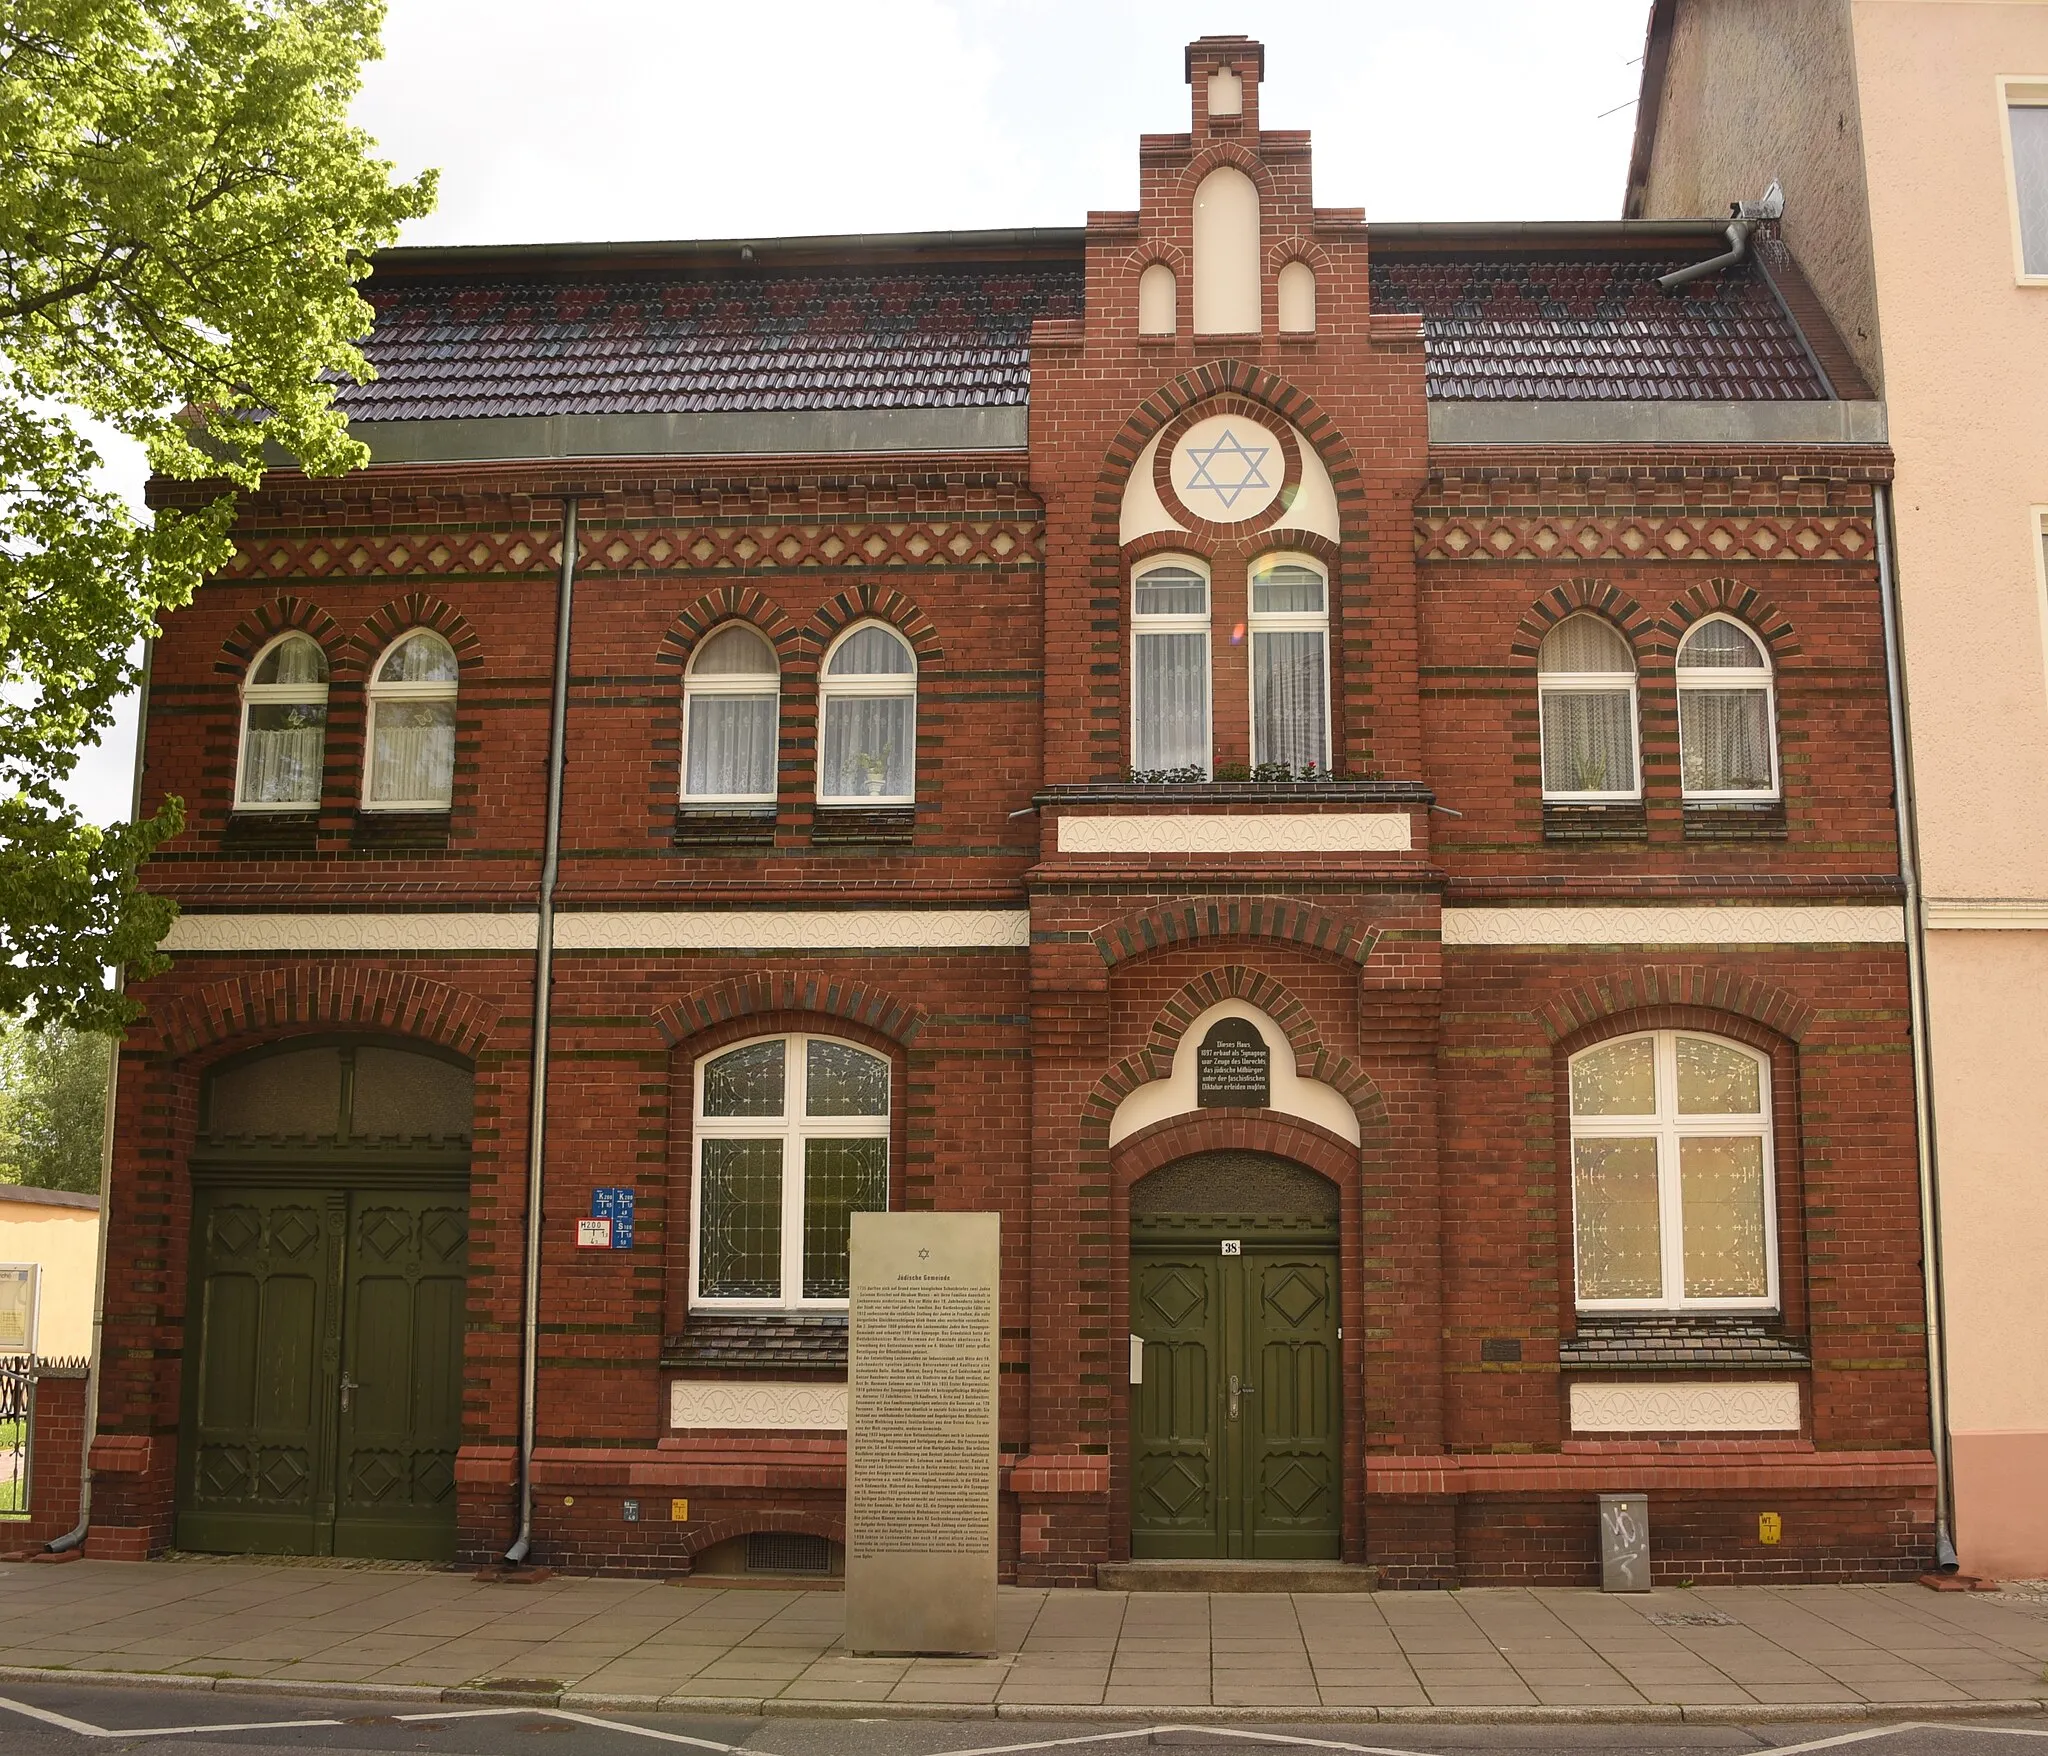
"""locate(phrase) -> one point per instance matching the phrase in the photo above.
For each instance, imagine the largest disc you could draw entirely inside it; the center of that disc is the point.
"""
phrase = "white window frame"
(2018, 91)
(1285, 622)
(1707, 678)
(1586, 683)
(1669, 1127)
(845, 688)
(1188, 623)
(746, 683)
(32, 1274)
(279, 695)
(792, 1128)
(380, 692)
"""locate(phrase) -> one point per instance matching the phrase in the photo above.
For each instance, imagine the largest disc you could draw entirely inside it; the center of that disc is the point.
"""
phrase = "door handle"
(349, 1387)
(1234, 1389)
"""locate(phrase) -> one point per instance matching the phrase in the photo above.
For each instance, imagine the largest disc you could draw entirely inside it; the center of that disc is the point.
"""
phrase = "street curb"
(1123, 1713)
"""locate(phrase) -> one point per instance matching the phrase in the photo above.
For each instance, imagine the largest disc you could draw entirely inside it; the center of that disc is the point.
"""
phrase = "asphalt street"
(66, 1720)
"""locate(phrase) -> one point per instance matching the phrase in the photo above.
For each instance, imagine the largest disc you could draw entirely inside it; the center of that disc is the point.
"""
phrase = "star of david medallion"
(1227, 469)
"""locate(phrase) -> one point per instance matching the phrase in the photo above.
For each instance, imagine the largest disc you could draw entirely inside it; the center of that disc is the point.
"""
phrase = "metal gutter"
(75, 1537)
(543, 997)
(471, 259)
(1923, 1059)
(1550, 234)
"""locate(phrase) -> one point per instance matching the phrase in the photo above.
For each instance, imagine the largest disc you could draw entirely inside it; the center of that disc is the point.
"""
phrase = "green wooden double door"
(323, 1370)
(1235, 1440)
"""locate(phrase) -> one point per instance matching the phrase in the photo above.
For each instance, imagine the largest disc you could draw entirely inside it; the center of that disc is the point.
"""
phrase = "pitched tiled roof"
(665, 344)
(1574, 327)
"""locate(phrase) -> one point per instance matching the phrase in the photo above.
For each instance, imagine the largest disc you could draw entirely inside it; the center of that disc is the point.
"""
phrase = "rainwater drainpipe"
(1923, 1065)
(543, 997)
(74, 1537)
(1745, 214)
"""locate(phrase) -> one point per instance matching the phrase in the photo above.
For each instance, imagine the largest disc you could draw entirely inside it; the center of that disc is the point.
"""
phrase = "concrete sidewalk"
(1713, 1653)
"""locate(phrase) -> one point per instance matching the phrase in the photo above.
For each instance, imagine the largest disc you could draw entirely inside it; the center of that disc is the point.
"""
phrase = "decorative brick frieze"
(1589, 534)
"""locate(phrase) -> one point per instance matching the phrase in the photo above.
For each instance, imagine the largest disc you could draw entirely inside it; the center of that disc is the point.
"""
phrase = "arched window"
(1226, 232)
(284, 727)
(1297, 298)
(731, 711)
(1586, 679)
(1291, 662)
(1170, 668)
(868, 703)
(1158, 301)
(1726, 733)
(1672, 1179)
(412, 725)
(792, 1142)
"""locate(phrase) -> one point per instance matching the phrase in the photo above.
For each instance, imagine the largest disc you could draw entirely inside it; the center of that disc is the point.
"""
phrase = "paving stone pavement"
(622, 1642)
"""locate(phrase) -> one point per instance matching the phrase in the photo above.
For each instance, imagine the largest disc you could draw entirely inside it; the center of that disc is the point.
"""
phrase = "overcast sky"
(767, 118)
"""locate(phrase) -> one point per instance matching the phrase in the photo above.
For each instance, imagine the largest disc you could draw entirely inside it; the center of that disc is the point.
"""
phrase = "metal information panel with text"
(921, 1433)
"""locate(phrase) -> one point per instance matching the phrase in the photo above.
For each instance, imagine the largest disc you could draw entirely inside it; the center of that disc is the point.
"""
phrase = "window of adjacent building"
(731, 714)
(1158, 301)
(1672, 1201)
(792, 1142)
(868, 702)
(2026, 115)
(1290, 630)
(1170, 667)
(412, 725)
(1725, 720)
(1297, 298)
(284, 727)
(1586, 682)
(1226, 236)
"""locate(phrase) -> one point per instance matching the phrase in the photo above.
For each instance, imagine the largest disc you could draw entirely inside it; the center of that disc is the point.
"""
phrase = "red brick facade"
(1006, 574)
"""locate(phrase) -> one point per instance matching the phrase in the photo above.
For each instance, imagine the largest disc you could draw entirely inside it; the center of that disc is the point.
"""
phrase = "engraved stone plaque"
(1233, 1067)
(921, 1433)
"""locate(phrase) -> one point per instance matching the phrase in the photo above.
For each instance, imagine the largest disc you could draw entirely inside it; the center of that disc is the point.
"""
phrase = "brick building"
(1338, 776)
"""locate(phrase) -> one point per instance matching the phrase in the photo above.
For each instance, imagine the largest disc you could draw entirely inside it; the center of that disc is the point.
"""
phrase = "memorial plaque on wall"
(922, 1353)
(1233, 1067)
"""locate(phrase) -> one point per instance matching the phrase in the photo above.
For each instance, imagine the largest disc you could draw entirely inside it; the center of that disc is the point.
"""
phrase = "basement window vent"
(775, 1551)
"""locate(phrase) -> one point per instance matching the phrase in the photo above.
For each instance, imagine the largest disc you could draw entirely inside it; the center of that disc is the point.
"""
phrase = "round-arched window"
(412, 725)
(1726, 727)
(1586, 681)
(731, 713)
(1672, 1181)
(868, 706)
(284, 727)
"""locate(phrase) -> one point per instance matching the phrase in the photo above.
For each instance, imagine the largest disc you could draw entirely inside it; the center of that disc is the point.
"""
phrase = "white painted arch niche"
(1292, 1094)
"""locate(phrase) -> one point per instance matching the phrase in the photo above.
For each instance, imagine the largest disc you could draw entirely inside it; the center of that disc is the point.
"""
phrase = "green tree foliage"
(53, 1096)
(184, 213)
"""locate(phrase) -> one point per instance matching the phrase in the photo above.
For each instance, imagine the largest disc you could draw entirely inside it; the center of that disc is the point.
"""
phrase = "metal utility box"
(1624, 1542)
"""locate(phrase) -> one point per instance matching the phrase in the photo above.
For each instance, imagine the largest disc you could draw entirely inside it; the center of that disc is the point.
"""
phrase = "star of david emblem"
(1229, 469)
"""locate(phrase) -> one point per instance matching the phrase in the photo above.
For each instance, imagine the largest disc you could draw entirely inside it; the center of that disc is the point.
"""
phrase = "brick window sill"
(698, 827)
(805, 1341)
(399, 832)
(1762, 821)
(271, 832)
(863, 826)
(1618, 822)
(1666, 1341)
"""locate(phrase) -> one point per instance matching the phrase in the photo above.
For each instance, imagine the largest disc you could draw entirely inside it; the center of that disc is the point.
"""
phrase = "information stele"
(922, 1353)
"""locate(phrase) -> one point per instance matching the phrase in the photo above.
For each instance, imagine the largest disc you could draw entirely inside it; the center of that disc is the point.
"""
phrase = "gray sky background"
(672, 119)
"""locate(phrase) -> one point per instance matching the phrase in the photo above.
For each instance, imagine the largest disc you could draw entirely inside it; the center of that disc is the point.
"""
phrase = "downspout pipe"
(1737, 251)
(543, 998)
(75, 1537)
(1945, 1560)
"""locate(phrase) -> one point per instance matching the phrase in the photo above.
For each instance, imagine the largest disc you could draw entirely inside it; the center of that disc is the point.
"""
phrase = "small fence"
(18, 1376)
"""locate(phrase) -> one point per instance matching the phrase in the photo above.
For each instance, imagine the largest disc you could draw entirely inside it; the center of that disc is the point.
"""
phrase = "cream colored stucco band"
(1822, 925)
(1330, 832)
(625, 930)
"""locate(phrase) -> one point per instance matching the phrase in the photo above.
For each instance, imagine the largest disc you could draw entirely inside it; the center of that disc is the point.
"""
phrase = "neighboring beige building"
(1911, 141)
(49, 1251)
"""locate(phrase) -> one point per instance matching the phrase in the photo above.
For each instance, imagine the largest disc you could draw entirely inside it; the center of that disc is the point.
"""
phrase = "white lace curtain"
(867, 746)
(1290, 712)
(1589, 741)
(1726, 738)
(1172, 706)
(414, 757)
(732, 747)
(282, 753)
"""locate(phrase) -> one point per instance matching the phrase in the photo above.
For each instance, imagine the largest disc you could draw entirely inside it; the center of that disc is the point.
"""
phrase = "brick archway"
(350, 995)
(1188, 920)
(1656, 988)
(741, 997)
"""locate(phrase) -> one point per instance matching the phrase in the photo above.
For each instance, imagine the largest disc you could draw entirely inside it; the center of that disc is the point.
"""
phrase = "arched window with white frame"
(411, 735)
(1727, 723)
(1170, 667)
(1586, 685)
(732, 700)
(1290, 693)
(1673, 1184)
(792, 1140)
(867, 702)
(284, 727)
